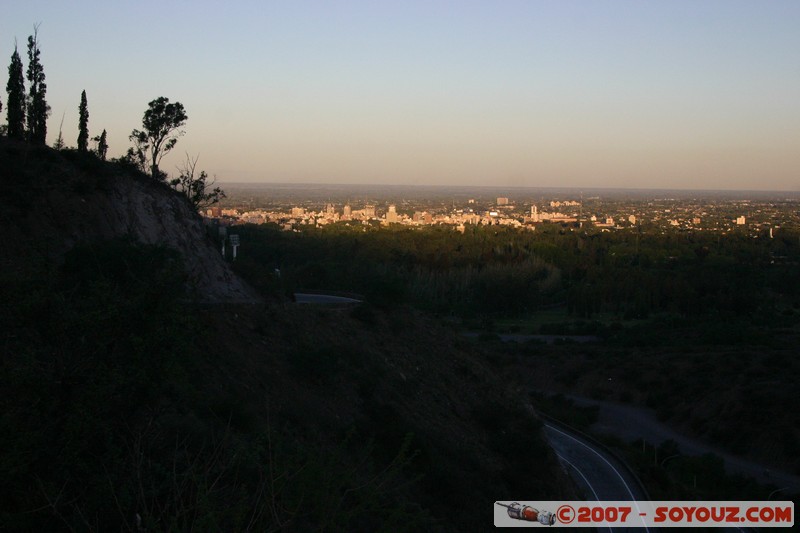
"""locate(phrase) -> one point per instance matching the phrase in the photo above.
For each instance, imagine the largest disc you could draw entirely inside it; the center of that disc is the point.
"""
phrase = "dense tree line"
(435, 269)
(504, 272)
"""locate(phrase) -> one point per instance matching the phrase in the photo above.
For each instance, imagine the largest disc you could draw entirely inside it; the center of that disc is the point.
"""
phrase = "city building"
(391, 215)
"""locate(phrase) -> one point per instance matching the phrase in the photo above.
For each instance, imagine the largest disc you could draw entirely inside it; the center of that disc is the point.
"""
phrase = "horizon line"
(510, 187)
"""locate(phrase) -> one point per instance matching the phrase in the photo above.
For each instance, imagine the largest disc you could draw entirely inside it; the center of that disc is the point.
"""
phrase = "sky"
(684, 94)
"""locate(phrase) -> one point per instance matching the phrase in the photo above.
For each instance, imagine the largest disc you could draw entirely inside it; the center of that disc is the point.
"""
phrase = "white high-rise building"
(391, 215)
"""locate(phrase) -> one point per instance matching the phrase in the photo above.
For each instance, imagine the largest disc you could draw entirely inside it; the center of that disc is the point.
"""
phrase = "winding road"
(599, 475)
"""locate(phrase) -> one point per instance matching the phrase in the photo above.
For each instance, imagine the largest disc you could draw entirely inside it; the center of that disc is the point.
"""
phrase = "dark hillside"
(54, 200)
(125, 405)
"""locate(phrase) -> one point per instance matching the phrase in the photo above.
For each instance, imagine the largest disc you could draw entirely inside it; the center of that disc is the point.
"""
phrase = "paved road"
(323, 299)
(600, 476)
(596, 473)
(548, 339)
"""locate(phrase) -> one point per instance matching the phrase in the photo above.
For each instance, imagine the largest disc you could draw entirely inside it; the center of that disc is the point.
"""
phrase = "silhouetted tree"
(136, 158)
(38, 110)
(102, 145)
(16, 98)
(83, 124)
(162, 123)
(197, 189)
(59, 144)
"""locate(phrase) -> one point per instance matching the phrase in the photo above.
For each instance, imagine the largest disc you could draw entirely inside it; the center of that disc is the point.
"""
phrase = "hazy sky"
(660, 94)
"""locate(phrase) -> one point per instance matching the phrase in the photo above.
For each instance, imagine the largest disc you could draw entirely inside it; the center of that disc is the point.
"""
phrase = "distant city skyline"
(617, 94)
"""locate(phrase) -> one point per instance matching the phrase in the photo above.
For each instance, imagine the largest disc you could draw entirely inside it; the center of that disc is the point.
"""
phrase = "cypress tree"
(102, 146)
(38, 110)
(16, 98)
(83, 124)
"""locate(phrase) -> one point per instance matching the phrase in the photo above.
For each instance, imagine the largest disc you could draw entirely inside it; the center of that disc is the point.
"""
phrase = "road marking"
(633, 499)
(596, 497)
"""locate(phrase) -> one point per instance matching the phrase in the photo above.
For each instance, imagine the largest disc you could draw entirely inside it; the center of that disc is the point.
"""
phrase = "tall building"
(391, 215)
(369, 211)
(347, 212)
(502, 201)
